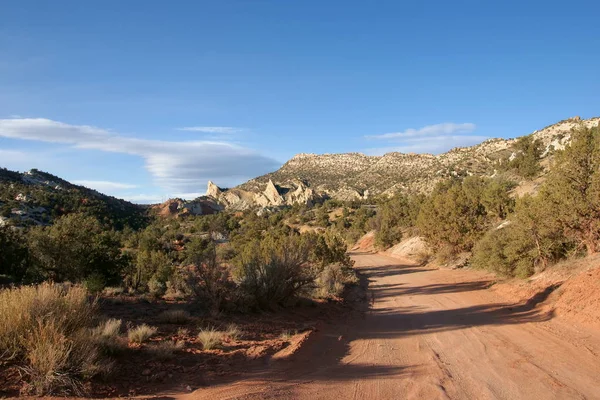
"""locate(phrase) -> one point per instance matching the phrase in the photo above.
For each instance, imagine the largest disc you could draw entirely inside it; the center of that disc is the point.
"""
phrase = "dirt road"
(433, 334)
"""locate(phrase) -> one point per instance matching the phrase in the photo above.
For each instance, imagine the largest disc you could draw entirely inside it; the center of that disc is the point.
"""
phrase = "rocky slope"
(37, 198)
(307, 178)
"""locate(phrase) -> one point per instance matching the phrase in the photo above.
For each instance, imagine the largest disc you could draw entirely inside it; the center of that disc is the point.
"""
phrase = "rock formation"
(307, 178)
(179, 207)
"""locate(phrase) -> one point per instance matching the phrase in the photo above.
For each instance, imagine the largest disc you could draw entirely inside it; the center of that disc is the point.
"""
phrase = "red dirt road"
(432, 334)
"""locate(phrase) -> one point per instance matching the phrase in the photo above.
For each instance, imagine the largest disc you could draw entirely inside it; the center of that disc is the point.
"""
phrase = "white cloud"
(175, 166)
(447, 128)
(144, 198)
(434, 139)
(104, 186)
(157, 198)
(211, 129)
(431, 145)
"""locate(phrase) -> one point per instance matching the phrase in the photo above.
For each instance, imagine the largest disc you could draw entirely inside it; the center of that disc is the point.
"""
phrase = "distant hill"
(309, 177)
(37, 198)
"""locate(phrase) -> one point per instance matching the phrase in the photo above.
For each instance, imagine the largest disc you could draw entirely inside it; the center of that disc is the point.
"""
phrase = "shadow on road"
(321, 358)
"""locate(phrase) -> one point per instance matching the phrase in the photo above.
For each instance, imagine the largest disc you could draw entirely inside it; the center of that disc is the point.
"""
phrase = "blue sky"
(149, 99)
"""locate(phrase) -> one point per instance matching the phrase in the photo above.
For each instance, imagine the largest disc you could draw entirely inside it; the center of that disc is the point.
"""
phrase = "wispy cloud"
(211, 129)
(144, 198)
(104, 186)
(447, 128)
(434, 139)
(176, 166)
(433, 145)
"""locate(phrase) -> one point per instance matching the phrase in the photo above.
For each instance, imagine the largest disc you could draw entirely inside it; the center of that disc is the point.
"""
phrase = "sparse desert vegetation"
(187, 289)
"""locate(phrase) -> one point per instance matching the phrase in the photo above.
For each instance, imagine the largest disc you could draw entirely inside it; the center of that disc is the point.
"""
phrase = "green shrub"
(526, 160)
(95, 283)
(13, 257)
(74, 248)
(505, 252)
(156, 288)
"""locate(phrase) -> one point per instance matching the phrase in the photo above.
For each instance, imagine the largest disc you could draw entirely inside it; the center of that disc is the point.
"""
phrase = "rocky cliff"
(307, 178)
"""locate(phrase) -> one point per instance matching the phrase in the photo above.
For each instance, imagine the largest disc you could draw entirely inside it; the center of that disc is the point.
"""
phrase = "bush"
(532, 241)
(47, 329)
(332, 281)
(141, 333)
(153, 269)
(13, 257)
(503, 252)
(459, 212)
(526, 161)
(75, 248)
(210, 280)
(156, 288)
(178, 286)
(395, 214)
(210, 338)
(56, 362)
(274, 269)
(95, 283)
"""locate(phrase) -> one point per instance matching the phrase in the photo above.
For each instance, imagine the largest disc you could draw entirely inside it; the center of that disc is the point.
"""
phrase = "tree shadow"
(322, 356)
(392, 290)
(392, 270)
(326, 353)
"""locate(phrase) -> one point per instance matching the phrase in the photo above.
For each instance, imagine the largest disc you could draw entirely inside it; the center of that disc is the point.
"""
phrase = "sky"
(147, 100)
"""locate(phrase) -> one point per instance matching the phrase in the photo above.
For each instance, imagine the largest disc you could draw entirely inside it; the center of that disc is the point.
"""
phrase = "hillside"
(37, 198)
(309, 177)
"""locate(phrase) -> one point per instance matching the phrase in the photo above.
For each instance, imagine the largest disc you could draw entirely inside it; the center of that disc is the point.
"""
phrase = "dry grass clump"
(141, 333)
(113, 291)
(183, 332)
(108, 336)
(287, 335)
(166, 350)
(47, 331)
(174, 317)
(233, 332)
(210, 338)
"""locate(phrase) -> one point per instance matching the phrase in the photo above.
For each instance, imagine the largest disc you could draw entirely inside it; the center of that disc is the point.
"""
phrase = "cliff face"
(309, 177)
